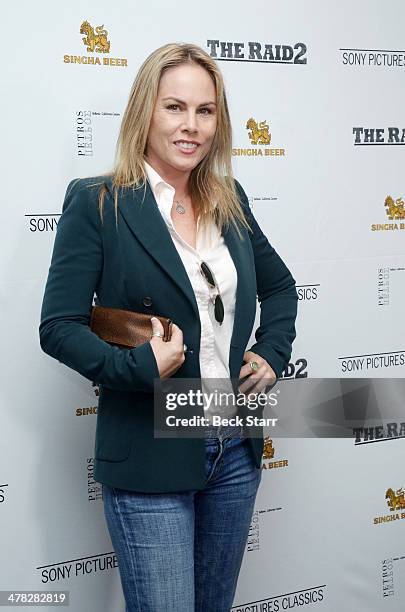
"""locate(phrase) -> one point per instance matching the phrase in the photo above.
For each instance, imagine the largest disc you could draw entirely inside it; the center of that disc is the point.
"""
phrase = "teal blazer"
(134, 265)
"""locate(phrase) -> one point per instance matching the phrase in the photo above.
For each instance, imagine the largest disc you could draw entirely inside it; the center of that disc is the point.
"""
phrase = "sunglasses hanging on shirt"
(218, 304)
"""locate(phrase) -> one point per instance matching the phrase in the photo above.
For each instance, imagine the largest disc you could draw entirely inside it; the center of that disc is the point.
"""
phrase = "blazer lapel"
(145, 221)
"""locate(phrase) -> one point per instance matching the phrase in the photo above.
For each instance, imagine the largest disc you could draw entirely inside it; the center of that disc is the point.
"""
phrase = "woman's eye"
(176, 107)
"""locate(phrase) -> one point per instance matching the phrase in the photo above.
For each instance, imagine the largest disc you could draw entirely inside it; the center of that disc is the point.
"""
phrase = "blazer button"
(147, 301)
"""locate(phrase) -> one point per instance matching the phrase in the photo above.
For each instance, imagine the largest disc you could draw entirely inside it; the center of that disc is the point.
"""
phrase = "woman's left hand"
(257, 380)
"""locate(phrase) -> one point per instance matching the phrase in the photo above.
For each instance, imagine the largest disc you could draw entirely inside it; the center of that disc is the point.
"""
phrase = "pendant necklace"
(180, 208)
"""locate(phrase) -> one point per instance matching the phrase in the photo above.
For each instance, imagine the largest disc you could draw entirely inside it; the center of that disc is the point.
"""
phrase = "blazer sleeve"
(277, 296)
(74, 273)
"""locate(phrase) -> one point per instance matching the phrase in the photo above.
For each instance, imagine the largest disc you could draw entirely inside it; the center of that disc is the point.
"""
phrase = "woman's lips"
(188, 148)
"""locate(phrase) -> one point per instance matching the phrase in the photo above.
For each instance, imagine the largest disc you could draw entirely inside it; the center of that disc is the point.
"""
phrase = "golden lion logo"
(259, 133)
(396, 500)
(395, 210)
(95, 41)
(268, 450)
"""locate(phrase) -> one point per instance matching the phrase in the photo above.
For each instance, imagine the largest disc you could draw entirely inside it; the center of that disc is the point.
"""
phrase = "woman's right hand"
(169, 355)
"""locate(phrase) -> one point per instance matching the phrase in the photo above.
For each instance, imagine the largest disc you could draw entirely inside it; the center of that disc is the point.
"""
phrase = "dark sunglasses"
(218, 304)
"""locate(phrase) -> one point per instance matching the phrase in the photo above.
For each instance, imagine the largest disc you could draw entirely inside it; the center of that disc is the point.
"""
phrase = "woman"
(170, 232)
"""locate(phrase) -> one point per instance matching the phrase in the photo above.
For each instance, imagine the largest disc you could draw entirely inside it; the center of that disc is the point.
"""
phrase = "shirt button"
(147, 301)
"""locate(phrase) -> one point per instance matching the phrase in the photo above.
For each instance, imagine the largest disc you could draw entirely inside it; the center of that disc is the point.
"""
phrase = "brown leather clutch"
(125, 328)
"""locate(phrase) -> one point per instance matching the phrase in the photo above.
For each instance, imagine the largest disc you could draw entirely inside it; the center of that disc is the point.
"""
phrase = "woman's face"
(184, 119)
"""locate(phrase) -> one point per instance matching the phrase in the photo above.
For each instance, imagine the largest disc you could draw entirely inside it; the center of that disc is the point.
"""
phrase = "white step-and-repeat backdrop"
(316, 92)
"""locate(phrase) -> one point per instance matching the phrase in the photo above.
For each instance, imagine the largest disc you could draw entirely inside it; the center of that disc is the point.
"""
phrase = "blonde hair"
(211, 181)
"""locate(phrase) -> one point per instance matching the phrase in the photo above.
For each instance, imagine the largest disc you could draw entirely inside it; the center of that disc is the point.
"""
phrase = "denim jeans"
(182, 552)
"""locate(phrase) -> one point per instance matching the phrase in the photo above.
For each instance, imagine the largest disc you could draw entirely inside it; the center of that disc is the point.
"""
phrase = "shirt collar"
(163, 193)
(155, 180)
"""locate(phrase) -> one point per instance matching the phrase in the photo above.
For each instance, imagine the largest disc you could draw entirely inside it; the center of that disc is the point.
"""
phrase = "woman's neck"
(177, 179)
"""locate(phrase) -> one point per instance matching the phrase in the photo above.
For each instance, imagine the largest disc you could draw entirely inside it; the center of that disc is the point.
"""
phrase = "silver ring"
(254, 366)
(158, 334)
(184, 347)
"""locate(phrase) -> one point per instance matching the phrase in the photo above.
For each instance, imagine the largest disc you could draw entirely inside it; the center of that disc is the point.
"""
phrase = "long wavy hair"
(211, 183)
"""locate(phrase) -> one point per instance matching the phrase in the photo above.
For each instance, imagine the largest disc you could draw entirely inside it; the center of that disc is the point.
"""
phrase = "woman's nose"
(190, 123)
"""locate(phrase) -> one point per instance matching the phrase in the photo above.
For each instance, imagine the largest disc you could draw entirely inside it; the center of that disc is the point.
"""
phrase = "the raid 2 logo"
(378, 136)
(95, 41)
(296, 370)
(257, 52)
(395, 211)
(379, 433)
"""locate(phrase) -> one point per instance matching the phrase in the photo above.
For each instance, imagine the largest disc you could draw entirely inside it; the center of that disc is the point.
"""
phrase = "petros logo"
(253, 541)
(383, 287)
(395, 212)
(387, 283)
(387, 577)
(96, 42)
(268, 453)
(94, 488)
(259, 136)
(396, 503)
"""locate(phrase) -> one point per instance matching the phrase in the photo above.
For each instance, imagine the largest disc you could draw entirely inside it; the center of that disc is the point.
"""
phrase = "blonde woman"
(170, 232)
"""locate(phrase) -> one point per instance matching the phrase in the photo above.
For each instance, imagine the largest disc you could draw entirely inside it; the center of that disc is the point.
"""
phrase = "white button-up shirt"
(211, 248)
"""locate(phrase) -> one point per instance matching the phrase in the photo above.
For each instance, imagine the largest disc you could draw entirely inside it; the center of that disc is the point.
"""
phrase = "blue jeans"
(182, 552)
